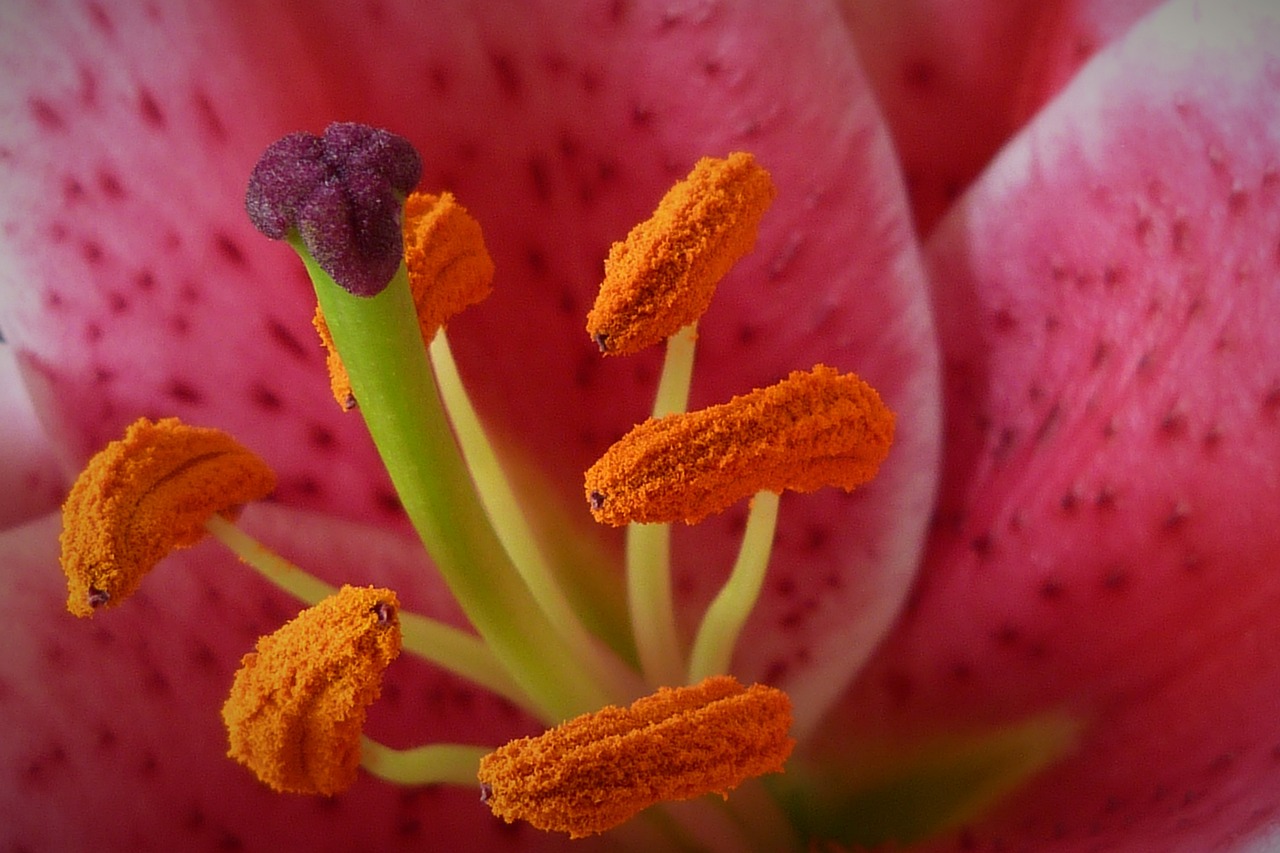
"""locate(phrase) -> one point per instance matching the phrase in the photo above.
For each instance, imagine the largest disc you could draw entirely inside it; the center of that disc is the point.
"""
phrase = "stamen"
(449, 270)
(436, 642)
(298, 702)
(145, 495)
(341, 194)
(449, 266)
(814, 429)
(662, 277)
(599, 770)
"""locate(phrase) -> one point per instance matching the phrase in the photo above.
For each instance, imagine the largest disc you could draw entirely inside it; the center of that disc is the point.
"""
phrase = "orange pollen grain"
(449, 270)
(298, 703)
(145, 495)
(662, 277)
(599, 770)
(814, 429)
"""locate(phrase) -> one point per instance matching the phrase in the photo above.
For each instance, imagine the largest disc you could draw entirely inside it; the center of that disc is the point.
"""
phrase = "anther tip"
(383, 611)
(602, 341)
(97, 597)
(596, 500)
(486, 792)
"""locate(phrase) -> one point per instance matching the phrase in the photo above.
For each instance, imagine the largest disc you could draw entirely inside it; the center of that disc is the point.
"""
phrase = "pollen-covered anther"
(341, 195)
(449, 270)
(146, 495)
(599, 770)
(663, 276)
(298, 703)
(813, 429)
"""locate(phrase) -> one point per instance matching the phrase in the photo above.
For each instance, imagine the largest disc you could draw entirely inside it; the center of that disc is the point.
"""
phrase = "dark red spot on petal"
(91, 251)
(286, 340)
(184, 392)
(46, 116)
(1115, 579)
(150, 109)
(536, 260)
(1052, 589)
(266, 399)
(388, 502)
(1176, 518)
(1179, 236)
(920, 75)
(321, 437)
(214, 127)
(100, 19)
(230, 249)
(111, 186)
(641, 117)
(1271, 401)
(1007, 635)
(540, 176)
(508, 76)
(72, 190)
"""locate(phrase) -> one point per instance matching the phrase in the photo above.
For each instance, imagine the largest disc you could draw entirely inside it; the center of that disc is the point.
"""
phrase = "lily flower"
(1058, 638)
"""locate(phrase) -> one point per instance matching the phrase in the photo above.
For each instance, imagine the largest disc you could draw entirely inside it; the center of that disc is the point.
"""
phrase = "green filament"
(648, 549)
(429, 639)
(728, 612)
(433, 764)
(513, 529)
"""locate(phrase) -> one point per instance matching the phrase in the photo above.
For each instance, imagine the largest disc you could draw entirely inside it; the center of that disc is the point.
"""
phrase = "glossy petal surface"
(957, 80)
(30, 483)
(1105, 544)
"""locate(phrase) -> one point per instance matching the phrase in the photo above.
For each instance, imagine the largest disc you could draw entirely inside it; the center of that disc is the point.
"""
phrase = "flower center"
(390, 267)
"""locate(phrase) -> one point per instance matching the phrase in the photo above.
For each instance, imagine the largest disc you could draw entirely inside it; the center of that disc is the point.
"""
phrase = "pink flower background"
(1049, 233)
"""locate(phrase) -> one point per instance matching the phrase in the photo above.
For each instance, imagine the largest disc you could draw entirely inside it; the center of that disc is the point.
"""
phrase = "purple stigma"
(343, 193)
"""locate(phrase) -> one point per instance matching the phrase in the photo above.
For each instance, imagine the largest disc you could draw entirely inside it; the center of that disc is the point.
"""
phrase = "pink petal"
(559, 127)
(131, 281)
(1106, 543)
(113, 738)
(30, 482)
(956, 80)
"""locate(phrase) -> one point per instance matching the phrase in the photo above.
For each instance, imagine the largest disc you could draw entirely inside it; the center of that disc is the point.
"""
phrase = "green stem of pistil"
(433, 764)
(648, 547)
(431, 640)
(382, 349)
(513, 529)
(728, 612)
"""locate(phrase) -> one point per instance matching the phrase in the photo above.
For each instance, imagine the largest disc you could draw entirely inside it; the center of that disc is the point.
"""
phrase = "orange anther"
(662, 277)
(145, 495)
(601, 769)
(298, 703)
(814, 429)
